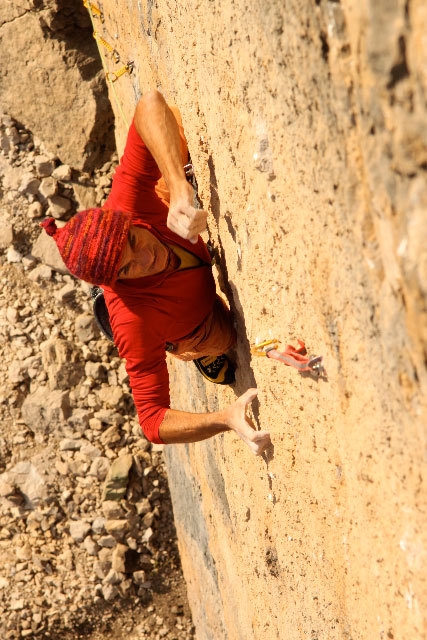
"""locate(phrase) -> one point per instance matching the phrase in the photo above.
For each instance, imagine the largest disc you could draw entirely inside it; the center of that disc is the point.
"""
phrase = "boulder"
(43, 410)
(35, 210)
(13, 256)
(29, 184)
(86, 328)
(58, 206)
(117, 478)
(26, 477)
(79, 529)
(62, 106)
(41, 272)
(62, 173)
(44, 166)
(6, 234)
(45, 249)
(48, 187)
(61, 362)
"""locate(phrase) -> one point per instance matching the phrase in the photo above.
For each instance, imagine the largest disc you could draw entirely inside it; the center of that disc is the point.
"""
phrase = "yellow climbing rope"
(111, 76)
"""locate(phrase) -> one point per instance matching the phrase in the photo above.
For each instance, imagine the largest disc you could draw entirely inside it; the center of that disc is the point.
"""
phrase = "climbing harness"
(291, 356)
(111, 75)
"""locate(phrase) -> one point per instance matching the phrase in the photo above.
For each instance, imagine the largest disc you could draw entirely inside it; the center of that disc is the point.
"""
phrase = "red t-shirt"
(145, 313)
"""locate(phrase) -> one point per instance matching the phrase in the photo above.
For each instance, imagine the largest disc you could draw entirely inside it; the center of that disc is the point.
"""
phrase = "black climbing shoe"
(217, 369)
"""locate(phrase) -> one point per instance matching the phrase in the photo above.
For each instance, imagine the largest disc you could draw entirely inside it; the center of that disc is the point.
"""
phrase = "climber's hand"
(183, 218)
(238, 421)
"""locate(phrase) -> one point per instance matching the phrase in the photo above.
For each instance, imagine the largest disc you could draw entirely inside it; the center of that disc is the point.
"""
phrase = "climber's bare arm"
(156, 125)
(180, 427)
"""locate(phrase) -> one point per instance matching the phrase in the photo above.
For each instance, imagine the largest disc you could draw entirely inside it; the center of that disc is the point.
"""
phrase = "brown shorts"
(212, 338)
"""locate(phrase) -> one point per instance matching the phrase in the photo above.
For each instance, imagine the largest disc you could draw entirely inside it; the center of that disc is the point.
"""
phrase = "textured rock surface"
(307, 128)
(306, 125)
(53, 66)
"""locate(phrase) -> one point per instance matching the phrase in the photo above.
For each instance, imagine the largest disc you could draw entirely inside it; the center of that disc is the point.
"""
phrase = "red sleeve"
(134, 182)
(150, 391)
(143, 348)
(138, 186)
(137, 159)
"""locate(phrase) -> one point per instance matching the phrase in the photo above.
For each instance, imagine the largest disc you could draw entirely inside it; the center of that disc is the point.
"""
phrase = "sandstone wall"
(306, 124)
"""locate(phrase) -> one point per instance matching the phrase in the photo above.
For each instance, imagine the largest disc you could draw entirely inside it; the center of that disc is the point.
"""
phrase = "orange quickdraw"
(112, 76)
(96, 11)
(114, 53)
(291, 356)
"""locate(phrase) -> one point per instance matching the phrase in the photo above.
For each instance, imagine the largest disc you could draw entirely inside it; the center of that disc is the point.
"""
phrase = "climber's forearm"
(183, 427)
(156, 125)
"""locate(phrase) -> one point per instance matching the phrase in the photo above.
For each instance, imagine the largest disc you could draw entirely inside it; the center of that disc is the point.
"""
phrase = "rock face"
(307, 128)
(53, 67)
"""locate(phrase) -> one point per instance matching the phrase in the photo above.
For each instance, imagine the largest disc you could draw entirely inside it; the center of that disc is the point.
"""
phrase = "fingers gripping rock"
(187, 222)
(241, 423)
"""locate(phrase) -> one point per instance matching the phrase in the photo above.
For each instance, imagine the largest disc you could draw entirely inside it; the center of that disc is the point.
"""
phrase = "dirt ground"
(162, 611)
(306, 125)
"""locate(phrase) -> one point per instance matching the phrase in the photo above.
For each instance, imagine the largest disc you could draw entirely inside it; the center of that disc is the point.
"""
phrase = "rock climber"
(143, 247)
